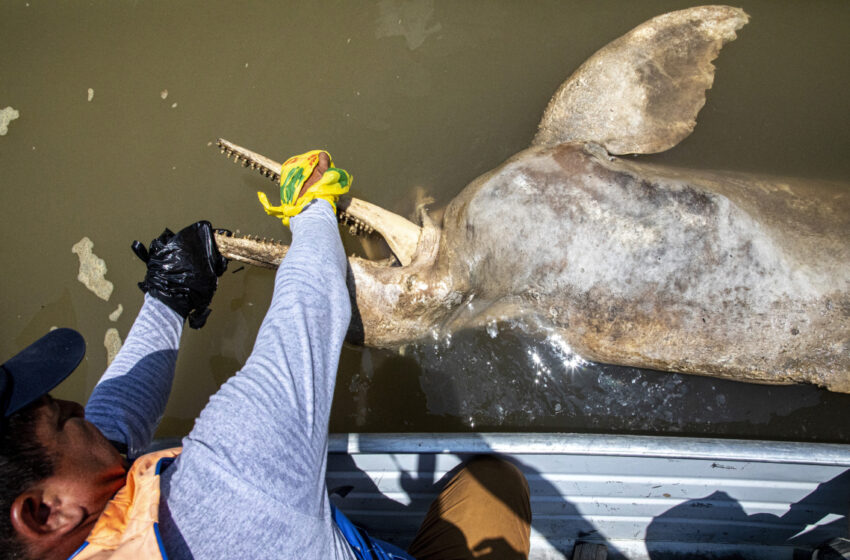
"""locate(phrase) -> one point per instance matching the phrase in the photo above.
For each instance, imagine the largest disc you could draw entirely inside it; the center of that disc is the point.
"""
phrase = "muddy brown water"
(410, 97)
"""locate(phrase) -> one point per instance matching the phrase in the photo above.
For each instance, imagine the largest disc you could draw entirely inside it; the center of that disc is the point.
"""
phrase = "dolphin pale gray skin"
(707, 273)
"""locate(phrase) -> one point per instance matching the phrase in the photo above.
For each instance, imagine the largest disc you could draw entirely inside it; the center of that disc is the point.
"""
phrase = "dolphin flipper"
(641, 93)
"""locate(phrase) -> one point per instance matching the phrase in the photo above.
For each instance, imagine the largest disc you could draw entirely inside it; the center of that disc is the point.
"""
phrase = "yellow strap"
(293, 174)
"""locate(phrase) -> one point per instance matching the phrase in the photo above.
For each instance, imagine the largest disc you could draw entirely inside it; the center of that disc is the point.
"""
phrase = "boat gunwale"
(535, 443)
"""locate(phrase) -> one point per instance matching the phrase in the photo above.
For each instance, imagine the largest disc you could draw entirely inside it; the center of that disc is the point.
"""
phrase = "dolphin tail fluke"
(641, 93)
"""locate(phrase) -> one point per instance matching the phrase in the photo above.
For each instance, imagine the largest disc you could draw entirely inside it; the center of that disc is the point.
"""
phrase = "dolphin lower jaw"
(251, 250)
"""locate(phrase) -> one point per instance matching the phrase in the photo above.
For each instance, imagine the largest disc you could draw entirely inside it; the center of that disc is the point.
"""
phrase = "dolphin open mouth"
(361, 217)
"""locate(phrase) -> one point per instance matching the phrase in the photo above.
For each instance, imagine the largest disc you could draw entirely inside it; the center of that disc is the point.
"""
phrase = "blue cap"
(38, 368)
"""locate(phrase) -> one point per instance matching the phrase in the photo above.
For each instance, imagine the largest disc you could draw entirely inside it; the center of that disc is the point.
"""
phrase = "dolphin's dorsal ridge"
(641, 93)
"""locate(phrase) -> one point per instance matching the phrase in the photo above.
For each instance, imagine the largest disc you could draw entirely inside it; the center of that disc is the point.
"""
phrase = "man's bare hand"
(321, 167)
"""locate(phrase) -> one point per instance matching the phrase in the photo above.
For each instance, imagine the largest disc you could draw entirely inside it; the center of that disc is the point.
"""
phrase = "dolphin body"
(709, 273)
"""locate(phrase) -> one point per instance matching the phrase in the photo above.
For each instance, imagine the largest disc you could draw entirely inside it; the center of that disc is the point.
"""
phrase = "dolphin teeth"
(401, 235)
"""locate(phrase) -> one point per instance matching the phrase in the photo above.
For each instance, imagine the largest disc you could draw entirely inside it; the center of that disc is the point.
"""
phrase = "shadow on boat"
(718, 525)
(394, 511)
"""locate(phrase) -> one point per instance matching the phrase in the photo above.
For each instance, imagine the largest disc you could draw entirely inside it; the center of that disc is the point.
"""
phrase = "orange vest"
(128, 528)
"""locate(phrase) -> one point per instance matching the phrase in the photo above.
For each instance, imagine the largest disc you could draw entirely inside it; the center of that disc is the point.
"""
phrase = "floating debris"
(7, 115)
(91, 94)
(174, 105)
(163, 94)
(117, 313)
(112, 342)
(92, 269)
(411, 20)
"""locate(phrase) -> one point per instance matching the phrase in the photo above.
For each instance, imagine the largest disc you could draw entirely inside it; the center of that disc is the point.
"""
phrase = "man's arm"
(129, 400)
(258, 450)
(181, 278)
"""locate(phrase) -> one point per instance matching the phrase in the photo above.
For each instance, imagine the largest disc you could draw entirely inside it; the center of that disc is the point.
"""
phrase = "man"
(250, 479)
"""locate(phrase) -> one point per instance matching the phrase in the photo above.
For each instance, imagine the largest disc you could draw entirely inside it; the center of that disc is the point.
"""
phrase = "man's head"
(57, 470)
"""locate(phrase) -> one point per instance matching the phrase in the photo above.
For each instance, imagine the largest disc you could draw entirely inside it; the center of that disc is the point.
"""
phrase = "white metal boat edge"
(593, 444)
(644, 497)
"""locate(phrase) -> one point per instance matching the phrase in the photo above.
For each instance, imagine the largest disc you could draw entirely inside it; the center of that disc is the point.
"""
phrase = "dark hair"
(23, 463)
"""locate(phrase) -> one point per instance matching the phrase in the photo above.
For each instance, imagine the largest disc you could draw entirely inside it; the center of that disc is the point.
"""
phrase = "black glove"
(183, 270)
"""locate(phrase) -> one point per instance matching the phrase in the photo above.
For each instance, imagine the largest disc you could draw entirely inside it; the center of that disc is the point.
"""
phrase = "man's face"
(88, 471)
(83, 458)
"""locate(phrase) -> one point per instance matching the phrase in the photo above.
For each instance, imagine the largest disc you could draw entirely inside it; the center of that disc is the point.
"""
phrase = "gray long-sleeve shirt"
(250, 482)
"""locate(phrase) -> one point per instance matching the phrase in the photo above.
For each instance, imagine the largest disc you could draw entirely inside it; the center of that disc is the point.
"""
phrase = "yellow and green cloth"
(294, 173)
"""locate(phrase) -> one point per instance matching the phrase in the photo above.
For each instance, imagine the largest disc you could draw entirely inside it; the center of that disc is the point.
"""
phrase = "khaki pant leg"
(483, 512)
